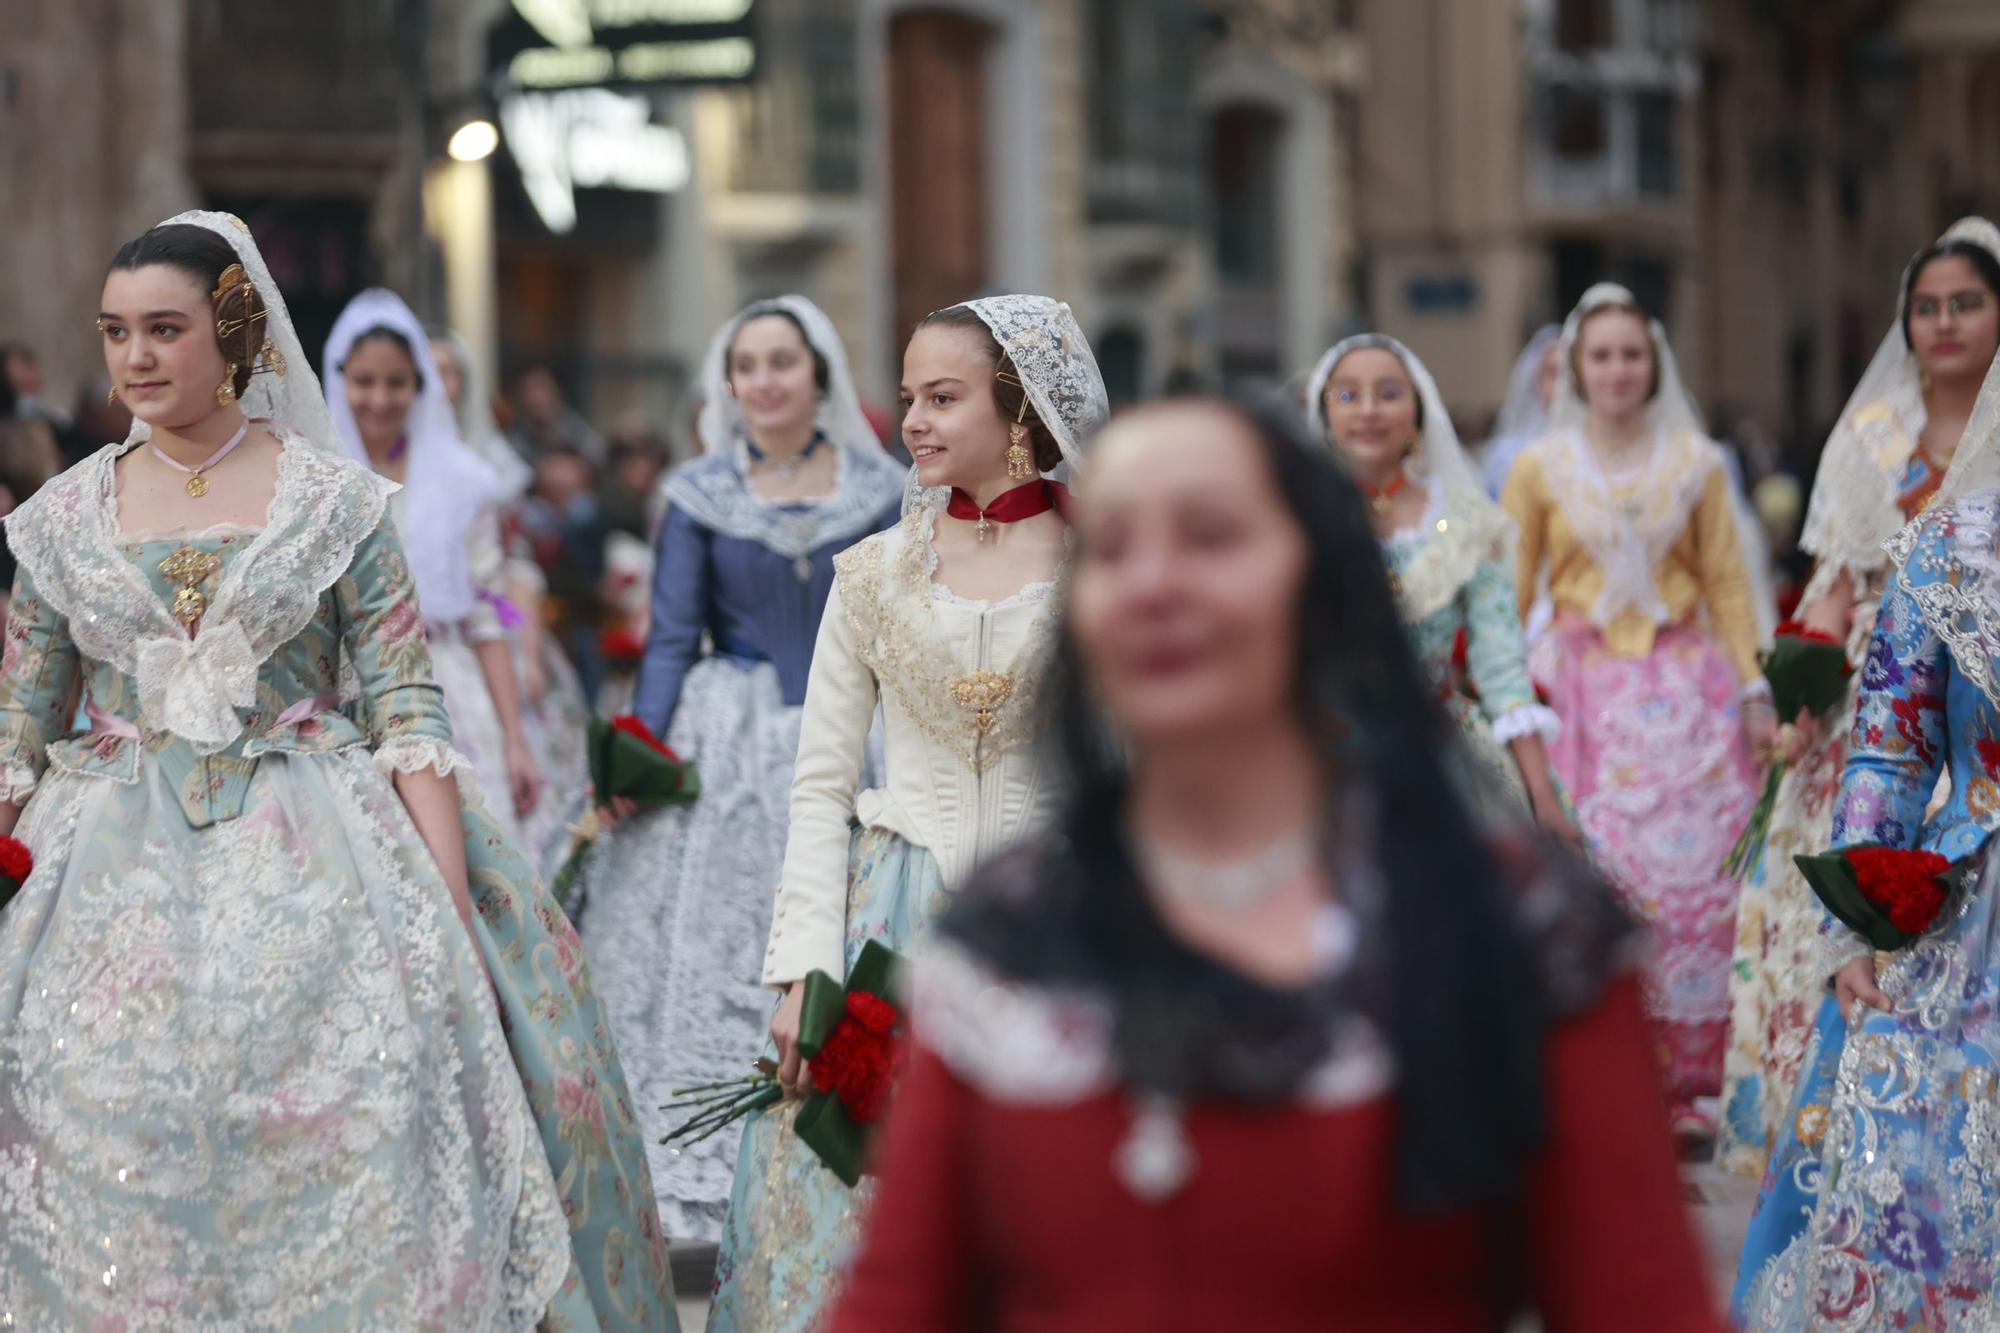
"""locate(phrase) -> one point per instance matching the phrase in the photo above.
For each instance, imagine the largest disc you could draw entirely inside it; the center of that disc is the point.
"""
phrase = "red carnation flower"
(619, 644)
(871, 1011)
(632, 726)
(16, 861)
(1904, 884)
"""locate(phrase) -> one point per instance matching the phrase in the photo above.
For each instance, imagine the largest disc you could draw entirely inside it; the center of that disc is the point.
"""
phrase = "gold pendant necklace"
(197, 484)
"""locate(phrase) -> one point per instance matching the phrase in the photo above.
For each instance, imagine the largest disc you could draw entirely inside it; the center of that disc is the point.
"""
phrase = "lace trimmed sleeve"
(382, 632)
(38, 682)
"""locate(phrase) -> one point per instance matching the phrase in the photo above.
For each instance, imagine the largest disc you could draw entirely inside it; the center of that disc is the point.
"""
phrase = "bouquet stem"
(1749, 846)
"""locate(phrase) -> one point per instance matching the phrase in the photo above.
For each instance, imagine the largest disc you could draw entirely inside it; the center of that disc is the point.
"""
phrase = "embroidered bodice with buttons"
(961, 684)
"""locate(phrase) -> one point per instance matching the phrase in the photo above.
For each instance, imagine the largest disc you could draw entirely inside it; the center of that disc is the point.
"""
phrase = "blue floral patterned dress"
(1881, 1207)
(252, 1074)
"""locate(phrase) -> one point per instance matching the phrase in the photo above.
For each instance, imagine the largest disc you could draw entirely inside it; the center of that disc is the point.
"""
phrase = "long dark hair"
(1981, 259)
(1454, 989)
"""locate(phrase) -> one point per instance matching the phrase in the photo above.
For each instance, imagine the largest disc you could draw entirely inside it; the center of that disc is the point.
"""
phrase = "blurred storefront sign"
(563, 44)
(589, 138)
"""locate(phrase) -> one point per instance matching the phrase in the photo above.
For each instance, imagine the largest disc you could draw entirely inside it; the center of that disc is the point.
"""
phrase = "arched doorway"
(937, 161)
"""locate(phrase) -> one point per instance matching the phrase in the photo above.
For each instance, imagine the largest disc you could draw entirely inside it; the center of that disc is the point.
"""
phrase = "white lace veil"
(1523, 413)
(1057, 370)
(1469, 527)
(476, 425)
(1893, 377)
(1628, 540)
(721, 425)
(449, 486)
(290, 397)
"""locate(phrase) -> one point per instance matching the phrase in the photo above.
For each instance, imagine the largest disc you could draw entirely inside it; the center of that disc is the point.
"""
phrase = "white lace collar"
(1441, 551)
(714, 490)
(1628, 523)
(1960, 602)
(67, 537)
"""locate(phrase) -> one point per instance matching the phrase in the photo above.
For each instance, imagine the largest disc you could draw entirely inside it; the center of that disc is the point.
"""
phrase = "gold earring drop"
(225, 392)
(111, 396)
(1020, 460)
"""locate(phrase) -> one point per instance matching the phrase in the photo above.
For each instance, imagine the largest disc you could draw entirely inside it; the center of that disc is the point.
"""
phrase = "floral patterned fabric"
(1879, 1208)
(792, 1223)
(249, 1072)
(1777, 975)
(1652, 758)
(1496, 664)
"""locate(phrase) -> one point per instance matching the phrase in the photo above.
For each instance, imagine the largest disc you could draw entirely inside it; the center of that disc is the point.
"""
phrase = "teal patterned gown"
(252, 1075)
(1501, 705)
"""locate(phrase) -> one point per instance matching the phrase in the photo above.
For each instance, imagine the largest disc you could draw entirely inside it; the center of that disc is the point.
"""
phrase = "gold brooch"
(188, 568)
(981, 693)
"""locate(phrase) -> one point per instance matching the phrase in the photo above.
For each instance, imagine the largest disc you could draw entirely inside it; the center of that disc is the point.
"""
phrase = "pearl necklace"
(1232, 885)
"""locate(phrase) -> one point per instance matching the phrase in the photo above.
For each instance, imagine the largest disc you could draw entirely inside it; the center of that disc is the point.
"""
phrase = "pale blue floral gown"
(251, 1073)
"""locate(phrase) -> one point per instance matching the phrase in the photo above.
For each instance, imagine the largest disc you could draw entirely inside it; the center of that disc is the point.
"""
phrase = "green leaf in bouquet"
(824, 1126)
(1805, 675)
(877, 970)
(1833, 881)
(621, 764)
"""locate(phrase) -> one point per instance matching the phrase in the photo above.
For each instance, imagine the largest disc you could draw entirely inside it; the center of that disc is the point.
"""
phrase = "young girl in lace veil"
(677, 902)
(947, 620)
(252, 1071)
(1652, 660)
(554, 713)
(1450, 551)
(1882, 466)
(1880, 1207)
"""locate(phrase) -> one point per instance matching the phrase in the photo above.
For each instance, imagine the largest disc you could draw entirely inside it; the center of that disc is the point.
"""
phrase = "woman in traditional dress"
(1524, 415)
(554, 713)
(251, 1070)
(948, 620)
(1881, 1207)
(1264, 1034)
(677, 902)
(1651, 661)
(1449, 550)
(392, 414)
(1881, 468)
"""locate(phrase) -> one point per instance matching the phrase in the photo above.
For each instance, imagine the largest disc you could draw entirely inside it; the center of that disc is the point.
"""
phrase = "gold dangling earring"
(1020, 460)
(225, 392)
(111, 395)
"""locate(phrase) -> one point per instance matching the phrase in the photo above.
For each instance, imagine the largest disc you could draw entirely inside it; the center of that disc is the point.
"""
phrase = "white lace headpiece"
(449, 485)
(721, 425)
(476, 425)
(1468, 526)
(1671, 408)
(292, 399)
(1976, 465)
(1057, 370)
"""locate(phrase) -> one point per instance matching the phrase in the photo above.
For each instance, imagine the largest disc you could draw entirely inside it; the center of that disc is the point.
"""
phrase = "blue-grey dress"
(677, 903)
(252, 1074)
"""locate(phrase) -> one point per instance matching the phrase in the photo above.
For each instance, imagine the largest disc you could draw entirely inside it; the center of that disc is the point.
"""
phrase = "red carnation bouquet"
(628, 760)
(16, 864)
(1807, 670)
(853, 1035)
(1887, 895)
(621, 650)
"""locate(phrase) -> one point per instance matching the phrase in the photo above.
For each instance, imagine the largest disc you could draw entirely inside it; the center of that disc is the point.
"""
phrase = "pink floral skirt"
(1652, 755)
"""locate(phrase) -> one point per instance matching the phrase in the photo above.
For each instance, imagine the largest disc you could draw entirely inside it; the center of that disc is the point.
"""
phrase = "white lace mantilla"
(714, 490)
(1628, 531)
(1958, 600)
(1029, 1045)
(1854, 508)
(1443, 551)
(67, 537)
